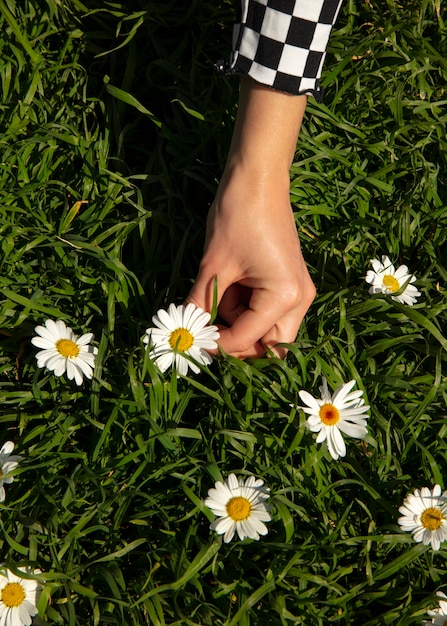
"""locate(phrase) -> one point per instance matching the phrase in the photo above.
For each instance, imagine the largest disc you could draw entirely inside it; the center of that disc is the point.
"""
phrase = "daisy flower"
(330, 416)
(383, 278)
(439, 615)
(63, 351)
(8, 464)
(240, 507)
(18, 598)
(181, 332)
(424, 513)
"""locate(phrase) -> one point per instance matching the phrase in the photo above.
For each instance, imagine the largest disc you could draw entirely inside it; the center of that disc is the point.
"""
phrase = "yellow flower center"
(13, 594)
(329, 414)
(391, 283)
(432, 518)
(181, 339)
(67, 348)
(238, 508)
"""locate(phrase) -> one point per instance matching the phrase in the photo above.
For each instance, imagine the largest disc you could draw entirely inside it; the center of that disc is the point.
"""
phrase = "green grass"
(114, 130)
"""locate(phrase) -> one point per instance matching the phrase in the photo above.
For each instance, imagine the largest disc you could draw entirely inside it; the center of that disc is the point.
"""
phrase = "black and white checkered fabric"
(282, 43)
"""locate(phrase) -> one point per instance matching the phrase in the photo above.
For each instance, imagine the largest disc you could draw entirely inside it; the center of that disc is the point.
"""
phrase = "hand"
(252, 246)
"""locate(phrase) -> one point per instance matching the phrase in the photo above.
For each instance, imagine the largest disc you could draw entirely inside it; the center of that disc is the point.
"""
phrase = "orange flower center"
(67, 348)
(329, 414)
(13, 594)
(432, 518)
(181, 339)
(391, 283)
(238, 508)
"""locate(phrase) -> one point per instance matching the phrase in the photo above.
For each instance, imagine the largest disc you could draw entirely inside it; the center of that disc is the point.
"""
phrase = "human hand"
(252, 247)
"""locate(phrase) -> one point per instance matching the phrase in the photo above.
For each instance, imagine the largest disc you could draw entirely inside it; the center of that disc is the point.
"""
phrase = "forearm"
(266, 130)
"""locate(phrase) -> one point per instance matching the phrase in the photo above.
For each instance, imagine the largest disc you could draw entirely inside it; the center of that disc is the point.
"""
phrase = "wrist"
(258, 166)
(256, 177)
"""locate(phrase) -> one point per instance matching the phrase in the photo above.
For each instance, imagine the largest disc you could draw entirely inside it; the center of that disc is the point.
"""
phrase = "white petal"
(310, 401)
(377, 265)
(85, 339)
(7, 447)
(335, 443)
(353, 430)
(164, 361)
(164, 321)
(322, 434)
(341, 393)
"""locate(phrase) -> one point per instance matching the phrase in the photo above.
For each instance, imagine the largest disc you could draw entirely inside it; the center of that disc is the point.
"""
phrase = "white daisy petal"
(322, 434)
(164, 361)
(85, 339)
(191, 314)
(335, 443)
(352, 430)
(41, 342)
(401, 273)
(222, 525)
(163, 320)
(181, 337)
(7, 448)
(312, 403)
(341, 393)
(229, 534)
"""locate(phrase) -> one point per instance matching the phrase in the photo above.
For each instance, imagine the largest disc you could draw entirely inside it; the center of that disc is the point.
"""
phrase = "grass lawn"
(114, 129)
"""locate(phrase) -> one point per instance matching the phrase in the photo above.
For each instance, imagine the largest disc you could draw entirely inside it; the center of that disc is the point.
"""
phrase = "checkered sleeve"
(282, 43)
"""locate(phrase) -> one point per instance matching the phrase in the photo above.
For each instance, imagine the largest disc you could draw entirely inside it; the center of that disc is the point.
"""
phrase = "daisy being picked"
(64, 352)
(18, 598)
(424, 513)
(439, 615)
(181, 338)
(241, 506)
(331, 415)
(383, 278)
(8, 463)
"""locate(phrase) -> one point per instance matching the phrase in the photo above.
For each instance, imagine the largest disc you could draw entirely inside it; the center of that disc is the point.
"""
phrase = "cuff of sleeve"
(294, 85)
(282, 44)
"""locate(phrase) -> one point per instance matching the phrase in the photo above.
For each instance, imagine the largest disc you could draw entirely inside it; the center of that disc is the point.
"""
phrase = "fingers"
(263, 317)
(285, 331)
(261, 321)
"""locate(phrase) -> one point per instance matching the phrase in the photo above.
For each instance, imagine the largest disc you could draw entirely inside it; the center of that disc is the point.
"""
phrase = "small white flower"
(424, 513)
(63, 351)
(240, 506)
(439, 615)
(181, 332)
(8, 463)
(330, 416)
(383, 278)
(18, 598)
